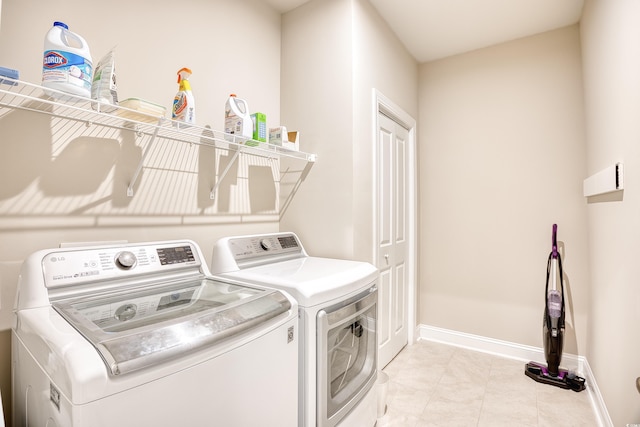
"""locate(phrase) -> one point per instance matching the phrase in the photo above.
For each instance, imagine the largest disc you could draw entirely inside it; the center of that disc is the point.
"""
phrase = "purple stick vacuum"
(553, 328)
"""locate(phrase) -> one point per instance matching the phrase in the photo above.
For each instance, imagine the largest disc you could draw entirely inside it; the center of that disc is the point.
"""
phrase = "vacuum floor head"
(564, 379)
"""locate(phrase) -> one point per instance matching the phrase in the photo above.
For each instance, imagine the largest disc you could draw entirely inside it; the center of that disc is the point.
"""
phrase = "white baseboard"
(525, 353)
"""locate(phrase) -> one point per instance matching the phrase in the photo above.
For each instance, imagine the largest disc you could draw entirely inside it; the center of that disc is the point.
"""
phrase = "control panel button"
(126, 260)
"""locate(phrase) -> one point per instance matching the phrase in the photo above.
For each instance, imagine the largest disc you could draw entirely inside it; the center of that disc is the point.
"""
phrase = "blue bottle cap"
(60, 24)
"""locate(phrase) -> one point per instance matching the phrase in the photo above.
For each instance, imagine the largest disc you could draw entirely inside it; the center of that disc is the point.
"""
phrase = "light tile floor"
(432, 384)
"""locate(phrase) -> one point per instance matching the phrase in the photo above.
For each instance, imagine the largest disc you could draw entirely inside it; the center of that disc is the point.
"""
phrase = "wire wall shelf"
(20, 95)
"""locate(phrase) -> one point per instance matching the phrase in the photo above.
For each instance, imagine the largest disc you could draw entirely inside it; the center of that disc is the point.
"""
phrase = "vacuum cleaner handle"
(554, 256)
(554, 241)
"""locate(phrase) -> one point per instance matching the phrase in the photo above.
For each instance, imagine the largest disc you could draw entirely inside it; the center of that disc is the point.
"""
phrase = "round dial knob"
(126, 312)
(126, 260)
(266, 244)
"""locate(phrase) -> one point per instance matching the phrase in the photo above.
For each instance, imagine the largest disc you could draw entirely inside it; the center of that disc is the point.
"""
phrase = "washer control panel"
(71, 266)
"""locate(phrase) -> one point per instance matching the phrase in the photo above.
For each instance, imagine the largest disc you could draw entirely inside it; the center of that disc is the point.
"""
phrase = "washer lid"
(135, 329)
(311, 280)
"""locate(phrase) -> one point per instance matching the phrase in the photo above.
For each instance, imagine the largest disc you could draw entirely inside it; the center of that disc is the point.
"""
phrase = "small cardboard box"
(280, 136)
(276, 135)
(292, 142)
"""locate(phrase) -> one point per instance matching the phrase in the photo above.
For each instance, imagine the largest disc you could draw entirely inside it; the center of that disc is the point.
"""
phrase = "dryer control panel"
(240, 252)
(265, 246)
(75, 266)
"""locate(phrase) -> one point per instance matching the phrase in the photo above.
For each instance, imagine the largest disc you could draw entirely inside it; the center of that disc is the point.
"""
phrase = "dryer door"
(347, 355)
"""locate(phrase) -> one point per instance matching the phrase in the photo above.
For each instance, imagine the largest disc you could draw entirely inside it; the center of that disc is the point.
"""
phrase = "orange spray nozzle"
(183, 73)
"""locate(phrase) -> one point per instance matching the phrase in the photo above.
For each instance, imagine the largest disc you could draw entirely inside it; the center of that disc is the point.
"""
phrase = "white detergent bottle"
(66, 65)
(184, 104)
(237, 120)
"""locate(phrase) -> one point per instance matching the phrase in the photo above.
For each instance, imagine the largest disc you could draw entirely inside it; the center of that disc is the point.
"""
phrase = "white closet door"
(392, 241)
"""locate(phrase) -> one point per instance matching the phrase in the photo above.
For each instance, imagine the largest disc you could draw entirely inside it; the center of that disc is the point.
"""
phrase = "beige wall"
(380, 61)
(334, 52)
(316, 100)
(611, 59)
(502, 158)
(66, 182)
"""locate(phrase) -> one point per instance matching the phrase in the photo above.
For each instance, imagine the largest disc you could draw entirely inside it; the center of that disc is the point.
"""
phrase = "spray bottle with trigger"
(184, 105)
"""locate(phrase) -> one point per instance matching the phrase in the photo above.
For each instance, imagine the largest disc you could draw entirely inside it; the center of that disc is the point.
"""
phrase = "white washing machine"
(143, 335)
(337, 301)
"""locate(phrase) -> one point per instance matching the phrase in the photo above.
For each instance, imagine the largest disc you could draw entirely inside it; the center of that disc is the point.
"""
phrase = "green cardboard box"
(259, 127)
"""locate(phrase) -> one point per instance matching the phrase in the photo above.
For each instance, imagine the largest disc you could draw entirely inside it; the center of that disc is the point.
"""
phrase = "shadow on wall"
(63, 167)
(80, 168)
(26, 146)
(615, 196)
(570, 339)
(206, 173)
(263, 194)
(292, 178)
(227, 162)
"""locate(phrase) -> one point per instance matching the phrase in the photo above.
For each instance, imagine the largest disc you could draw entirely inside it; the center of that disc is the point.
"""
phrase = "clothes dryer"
(337, 301)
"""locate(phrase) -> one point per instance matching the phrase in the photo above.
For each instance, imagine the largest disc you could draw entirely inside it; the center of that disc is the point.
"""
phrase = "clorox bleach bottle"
(67, 62)
(184, 105)
(237, 120)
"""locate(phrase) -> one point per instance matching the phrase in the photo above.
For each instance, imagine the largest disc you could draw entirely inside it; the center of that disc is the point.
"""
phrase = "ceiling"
(434, 29)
